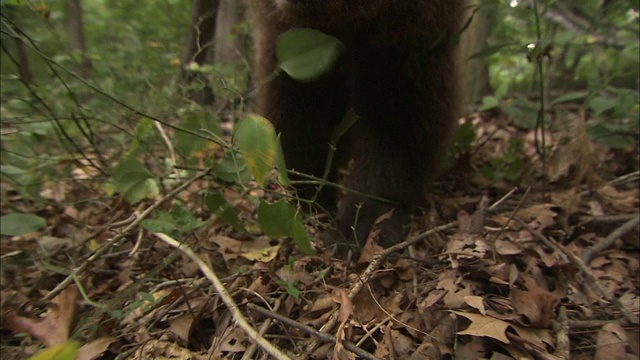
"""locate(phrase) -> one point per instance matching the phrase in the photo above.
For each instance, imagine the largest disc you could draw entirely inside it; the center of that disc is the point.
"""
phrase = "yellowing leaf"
(64, 351)
(264, 255)
(256, 139)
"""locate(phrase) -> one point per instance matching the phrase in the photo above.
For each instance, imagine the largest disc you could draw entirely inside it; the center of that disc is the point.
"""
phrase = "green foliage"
(19, 224)
(256, 139)
(220, 207)
(589, 50)
(231, 168)
(198, 122)
(132, 179)
(290, 287)
(307, 54)
(64, 351)
(175, 222)
(509, 167)
(282, 219)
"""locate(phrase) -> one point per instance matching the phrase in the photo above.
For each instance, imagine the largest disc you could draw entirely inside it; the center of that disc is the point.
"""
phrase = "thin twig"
(111, 242)
(253, 348)
(237, 315)
(561, 328)
(169, 145)
(611, 239)
(589, 278)
(324, 337)
(378, 259)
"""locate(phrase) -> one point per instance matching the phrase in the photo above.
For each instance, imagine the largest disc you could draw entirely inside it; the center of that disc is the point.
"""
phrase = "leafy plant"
(508, 167)
(13, 224)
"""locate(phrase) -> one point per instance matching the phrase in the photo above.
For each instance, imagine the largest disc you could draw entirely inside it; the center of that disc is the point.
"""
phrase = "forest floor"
(513, 260)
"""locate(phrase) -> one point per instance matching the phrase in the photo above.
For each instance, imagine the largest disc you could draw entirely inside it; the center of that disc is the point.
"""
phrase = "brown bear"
(397, 75)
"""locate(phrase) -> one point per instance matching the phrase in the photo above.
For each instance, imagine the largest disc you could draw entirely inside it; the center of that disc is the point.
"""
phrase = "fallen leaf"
(65, 351)
(182, 325)
(94, 349)
(623, 201)
(476, 303)
(484, 326)
(57, 323)
(536, 304)
(611, 343)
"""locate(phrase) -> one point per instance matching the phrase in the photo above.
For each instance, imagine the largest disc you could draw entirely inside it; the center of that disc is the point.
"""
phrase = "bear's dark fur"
(397, 74)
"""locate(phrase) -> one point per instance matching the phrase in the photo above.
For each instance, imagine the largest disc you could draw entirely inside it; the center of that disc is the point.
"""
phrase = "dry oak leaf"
(476, 303)
(55, 327)
(484, 326)
(612, 343)
(536, 304)
(94, 349)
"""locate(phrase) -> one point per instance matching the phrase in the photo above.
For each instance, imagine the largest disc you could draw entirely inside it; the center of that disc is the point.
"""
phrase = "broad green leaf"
(19, 224)
(307, 54)
(300, 236)
(159, 226)
(281, 219)
(218, 205)
(178, 220)
(274, 218)
(187, 143)
(256, 139)
(600, 104)
(575, 95)
(184, 219)
(232, 169)
(144, 131)
(133, 180)
(488, 103)
(64, 351)
(611, 136)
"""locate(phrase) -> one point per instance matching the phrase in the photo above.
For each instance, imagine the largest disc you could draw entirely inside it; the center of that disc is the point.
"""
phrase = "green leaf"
(611, 135)
(187, 143)
(307, 54)
(281, 219)
(144, 131)
(231, 168)
(280, 164)
(219, 206)
(64, 351)
(274, 218)
(184, 220)
(133, 180)
(256, 139)
(575, 95)
(290, 288)
(299, 235)
(488, 103)
(159, 226)
(19, 224)
(600, 104)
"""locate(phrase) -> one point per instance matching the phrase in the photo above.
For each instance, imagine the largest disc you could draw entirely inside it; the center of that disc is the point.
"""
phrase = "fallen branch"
(611, 239)
(226, 298)
(325, 338)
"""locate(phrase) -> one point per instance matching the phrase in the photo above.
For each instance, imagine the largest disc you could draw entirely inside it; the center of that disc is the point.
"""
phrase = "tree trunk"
(475, 82)
(77, 39)
(229, 45)
(201, 36)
